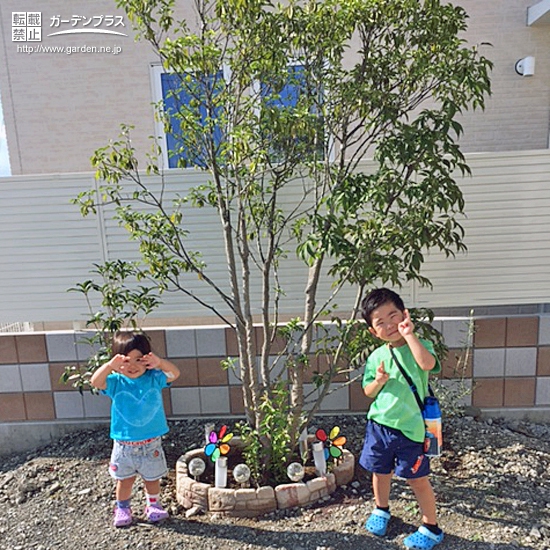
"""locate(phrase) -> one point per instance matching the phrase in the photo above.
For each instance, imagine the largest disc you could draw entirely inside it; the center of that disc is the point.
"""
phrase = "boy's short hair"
(378, 297)
(125, 342)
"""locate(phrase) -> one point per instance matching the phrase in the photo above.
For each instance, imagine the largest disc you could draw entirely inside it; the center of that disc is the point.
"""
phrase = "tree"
(266, 97)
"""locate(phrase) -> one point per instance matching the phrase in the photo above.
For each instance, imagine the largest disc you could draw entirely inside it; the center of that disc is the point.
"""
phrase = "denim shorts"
(387, 450)
(147, 460)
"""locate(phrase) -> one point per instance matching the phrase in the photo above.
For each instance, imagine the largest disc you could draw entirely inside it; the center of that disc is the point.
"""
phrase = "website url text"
(40, 48)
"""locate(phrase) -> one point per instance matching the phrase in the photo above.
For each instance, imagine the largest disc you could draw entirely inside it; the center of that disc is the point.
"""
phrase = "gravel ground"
(492, 484)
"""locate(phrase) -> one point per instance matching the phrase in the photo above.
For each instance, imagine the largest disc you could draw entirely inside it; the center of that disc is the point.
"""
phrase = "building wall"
(517, 114)
(49, 248)
(508, 371)
(60, 108)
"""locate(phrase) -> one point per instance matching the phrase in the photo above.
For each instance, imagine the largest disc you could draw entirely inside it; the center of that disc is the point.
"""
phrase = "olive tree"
(291, 95)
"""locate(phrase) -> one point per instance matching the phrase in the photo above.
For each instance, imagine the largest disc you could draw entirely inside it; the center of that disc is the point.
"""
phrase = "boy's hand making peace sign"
(406, 326)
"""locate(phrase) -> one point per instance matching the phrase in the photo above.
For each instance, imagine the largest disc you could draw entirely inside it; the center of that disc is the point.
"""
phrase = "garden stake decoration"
(217, 445)
(220, 472)
(332, 442)
(319, 458)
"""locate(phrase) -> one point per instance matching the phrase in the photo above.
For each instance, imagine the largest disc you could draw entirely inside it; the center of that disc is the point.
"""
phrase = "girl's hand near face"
(151, 361)
(118, 363)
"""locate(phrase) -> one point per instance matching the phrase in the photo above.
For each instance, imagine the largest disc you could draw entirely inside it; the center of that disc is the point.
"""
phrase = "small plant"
(124, 304)
(268, 462)
(451, 395)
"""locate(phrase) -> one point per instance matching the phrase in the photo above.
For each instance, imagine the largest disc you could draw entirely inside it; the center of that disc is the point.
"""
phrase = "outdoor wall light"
(526, 66)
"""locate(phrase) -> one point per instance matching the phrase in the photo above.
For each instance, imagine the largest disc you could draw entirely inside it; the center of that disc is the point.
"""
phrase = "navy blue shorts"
(387, 450)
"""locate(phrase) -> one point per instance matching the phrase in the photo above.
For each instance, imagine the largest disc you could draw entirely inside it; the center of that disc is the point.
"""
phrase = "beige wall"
(59, 108)
(50, 247)
(517, 114)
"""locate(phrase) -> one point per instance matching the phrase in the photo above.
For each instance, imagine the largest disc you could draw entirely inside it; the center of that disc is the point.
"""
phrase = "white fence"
(47, 247)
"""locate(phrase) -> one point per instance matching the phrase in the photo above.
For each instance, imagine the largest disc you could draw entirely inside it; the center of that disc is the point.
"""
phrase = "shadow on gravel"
(233, 535)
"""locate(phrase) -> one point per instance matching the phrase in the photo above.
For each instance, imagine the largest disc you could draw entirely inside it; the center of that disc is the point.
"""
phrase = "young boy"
(394, 440)
(134, 378)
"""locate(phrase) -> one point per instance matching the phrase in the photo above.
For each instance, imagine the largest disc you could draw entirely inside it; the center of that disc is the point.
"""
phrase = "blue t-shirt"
(137, 409)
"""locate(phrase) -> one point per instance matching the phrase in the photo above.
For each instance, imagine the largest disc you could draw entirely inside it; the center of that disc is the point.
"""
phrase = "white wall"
(47, 247)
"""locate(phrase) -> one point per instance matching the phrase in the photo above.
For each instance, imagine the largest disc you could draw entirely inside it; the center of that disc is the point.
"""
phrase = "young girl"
(134, 379)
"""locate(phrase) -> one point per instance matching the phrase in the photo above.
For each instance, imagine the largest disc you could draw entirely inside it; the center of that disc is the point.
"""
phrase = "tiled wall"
(509, 368)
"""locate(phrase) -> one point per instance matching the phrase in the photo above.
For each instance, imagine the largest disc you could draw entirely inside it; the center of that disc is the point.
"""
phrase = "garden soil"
(492, 484)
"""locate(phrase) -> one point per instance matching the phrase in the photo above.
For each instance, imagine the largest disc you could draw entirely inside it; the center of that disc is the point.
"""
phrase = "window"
(307, 138)
(181, 95)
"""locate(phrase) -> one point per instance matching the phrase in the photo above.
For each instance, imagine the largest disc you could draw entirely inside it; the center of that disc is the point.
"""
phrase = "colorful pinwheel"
(333, 444)
(218, 444)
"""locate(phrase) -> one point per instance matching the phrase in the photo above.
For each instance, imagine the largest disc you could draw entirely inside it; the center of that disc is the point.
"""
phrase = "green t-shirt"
(395, 405)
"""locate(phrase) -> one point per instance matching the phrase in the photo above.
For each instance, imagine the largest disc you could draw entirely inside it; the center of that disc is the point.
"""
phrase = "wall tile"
(158, 342)
(35, 377)
(167, 401)
(323, 366)
(310, 394)
(232, 348)
(543, 361)
(358, 401)
(488, 362)
(31, 348)
(211, 342)
(56, 371)
(189, 373)
(278, 345)
(68, 405)
(85, 350)
(181, 343)
(8, 350)
(544, 330)
(234, 375)
(10, 379)
(277, 369)
(61, 347)
(215, 400)
(520, 362)
(490, 333)
(211, 372)
(519, 392)
(39, 406)
(236, 400)
(542, 396)
(338, 400)
(12, 407)
(462, 389)
(488, 392)
(457, 364)
(185, 401)
(96, 405)
(522, 331)
(455, 333)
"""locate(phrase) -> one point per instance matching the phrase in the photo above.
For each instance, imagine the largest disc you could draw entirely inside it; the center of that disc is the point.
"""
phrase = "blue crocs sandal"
(423, 539)
(378, 522)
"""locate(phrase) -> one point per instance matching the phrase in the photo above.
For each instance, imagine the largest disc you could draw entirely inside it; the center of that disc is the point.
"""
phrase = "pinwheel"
(218, 444)
(333, 444)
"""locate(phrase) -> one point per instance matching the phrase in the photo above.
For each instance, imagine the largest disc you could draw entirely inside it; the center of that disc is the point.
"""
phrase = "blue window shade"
(188, 97)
